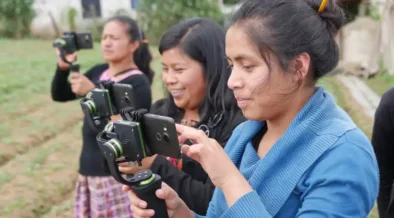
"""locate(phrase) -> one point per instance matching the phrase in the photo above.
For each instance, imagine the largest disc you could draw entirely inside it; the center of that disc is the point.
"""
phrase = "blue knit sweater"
(323, 166)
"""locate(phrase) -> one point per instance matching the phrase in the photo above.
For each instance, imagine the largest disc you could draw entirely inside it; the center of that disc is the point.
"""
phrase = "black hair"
(286, 28)
(204, 41)
(142, 56)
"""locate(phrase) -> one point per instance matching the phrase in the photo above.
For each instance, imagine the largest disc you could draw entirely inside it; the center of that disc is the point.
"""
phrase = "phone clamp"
(97, 106)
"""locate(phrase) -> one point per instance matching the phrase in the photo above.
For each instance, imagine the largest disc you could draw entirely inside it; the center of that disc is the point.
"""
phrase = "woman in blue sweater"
(299, 155)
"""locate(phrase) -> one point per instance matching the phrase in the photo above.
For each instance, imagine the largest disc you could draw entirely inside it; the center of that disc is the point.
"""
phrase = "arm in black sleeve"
(194, 193)
(383, 143)
(61, 88)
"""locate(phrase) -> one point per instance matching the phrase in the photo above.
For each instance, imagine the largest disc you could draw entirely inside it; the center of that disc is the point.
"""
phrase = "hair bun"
(332, 14)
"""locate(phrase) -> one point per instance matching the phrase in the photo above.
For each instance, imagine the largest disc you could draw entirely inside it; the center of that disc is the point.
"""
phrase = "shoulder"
(387, 97)
(386, 104)
(353, 149)
(349, 168)
(160, 107)
(136, 80)
(97, 69)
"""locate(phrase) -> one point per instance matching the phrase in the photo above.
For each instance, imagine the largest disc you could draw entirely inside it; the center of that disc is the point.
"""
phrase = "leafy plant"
(16, 16)
(157, 16)
(71, 15)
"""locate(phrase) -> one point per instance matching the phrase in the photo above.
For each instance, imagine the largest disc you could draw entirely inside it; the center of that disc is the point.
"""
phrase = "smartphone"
(83, 40)
(122, 96)
(160, 135)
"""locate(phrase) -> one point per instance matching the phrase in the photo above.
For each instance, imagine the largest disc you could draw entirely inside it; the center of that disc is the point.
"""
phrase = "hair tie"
(145, 41)
(322, 6)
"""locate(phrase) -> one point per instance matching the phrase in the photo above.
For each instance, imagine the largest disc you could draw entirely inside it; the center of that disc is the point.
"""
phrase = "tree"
(16, 16)
(156, 17)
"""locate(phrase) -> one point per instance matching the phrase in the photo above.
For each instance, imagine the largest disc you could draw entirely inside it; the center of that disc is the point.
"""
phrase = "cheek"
(258, 82)
(121, 48)
(195, 84)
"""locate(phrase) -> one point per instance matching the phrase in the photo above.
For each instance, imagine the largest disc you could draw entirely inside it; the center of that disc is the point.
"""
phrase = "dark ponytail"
(142, 56)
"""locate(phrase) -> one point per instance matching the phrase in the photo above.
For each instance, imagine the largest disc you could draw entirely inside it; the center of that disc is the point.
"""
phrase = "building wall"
(42, 25)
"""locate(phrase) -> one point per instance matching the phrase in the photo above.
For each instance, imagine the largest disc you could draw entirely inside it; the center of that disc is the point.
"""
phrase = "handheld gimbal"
(106, 100)
(124, 138)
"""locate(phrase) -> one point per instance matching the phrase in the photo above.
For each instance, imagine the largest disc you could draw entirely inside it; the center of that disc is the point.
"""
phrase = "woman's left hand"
(210, 155)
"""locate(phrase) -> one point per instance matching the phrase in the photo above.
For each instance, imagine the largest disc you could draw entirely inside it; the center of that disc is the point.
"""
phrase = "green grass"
(381, 83)
(18, 204)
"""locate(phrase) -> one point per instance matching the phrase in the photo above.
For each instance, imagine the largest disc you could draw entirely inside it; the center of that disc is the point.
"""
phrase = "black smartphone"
(160, 135)
(122, 96)
(83, 40)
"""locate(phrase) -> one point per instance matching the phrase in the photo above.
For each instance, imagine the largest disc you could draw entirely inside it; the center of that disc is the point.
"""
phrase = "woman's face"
(261, 93)
(183, 78)
(115, 42)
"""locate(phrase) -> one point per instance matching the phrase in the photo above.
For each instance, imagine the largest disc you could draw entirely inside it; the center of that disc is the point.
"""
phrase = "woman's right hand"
(69, 57)
(176, 207)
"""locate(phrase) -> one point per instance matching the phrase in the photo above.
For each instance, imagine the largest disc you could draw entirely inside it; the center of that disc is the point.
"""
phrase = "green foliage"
(373, 11)
(97, 26)
(230, 2)
(156, 17)
(16, 16)
(71, 15)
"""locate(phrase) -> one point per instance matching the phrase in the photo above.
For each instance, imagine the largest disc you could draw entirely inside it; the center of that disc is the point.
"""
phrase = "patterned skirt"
(100, 197)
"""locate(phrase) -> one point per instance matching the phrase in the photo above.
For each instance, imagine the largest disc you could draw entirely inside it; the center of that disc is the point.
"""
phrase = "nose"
(169, 78)
(235, 81)
(106, 42)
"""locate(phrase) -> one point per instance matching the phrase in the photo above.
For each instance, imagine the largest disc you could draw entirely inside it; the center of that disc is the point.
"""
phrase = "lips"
(176, 92)
(242, 102)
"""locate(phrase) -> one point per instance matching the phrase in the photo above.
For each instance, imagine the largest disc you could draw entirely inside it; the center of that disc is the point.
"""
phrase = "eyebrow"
(173, 64)
(240, 57)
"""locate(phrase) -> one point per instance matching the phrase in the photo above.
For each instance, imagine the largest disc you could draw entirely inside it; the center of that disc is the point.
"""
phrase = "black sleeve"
(61, 87)
(194, 193)
(383, 143)
(160, 107)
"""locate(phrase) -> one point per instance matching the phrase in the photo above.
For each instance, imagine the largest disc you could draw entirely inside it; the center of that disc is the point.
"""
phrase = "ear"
(134, 46)
(302, 63)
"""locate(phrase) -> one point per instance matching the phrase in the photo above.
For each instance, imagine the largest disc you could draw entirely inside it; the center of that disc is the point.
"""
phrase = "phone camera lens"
(158, 136)
(166, 138)
(126, 99)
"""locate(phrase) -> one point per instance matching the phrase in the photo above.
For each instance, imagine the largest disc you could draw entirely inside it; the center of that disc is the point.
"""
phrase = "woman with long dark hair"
(126, 52)
(195, 72)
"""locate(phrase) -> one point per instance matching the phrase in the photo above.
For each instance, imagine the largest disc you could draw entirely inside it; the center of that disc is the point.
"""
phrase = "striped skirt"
(100, 197)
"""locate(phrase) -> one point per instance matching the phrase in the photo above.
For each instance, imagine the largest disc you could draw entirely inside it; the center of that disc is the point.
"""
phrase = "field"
(40, 140)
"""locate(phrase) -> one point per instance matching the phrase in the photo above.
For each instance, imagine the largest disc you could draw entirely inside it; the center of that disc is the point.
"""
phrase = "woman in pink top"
(128, 59)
